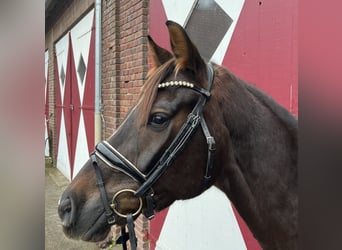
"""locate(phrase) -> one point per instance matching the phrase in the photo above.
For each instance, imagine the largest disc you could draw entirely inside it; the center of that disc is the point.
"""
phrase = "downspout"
(98, 70)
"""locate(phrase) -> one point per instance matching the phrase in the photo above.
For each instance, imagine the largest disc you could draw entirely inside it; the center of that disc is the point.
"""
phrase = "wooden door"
(75, 96)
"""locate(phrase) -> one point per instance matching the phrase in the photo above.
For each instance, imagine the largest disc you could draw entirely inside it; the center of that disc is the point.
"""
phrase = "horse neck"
(262, 157)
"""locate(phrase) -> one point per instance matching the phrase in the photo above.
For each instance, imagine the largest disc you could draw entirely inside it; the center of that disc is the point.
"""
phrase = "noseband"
(115, 160)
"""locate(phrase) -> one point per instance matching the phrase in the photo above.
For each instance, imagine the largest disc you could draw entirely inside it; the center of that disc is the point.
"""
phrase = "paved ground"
(55, 183)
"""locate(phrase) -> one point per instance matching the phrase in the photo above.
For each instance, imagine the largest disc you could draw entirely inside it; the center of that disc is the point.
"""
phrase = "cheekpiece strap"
(100, 184)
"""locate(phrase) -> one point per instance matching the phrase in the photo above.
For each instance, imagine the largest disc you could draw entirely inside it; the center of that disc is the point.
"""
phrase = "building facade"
(256, 40)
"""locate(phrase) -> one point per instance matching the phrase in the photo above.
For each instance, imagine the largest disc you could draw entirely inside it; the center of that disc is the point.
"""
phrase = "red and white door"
(75, 96)
(256, 40)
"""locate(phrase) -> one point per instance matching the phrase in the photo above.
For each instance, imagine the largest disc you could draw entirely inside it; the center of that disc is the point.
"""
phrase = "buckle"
(111, 220)
(211, 143)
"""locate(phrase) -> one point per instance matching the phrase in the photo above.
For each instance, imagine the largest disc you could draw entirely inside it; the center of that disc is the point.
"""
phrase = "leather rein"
(115, 160)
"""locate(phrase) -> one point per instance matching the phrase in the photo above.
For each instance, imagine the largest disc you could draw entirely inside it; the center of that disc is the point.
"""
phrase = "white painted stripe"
(80, 37)
(81, 152)
(178, 11)
(62, 56)
(47, 147)
(63, 163)
(203, 223)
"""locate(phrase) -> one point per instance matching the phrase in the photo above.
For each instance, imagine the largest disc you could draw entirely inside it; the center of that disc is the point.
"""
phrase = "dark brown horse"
(165, 151)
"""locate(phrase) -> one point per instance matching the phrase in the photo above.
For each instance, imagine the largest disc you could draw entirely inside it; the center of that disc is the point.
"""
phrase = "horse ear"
(184, 50)
(158, 54)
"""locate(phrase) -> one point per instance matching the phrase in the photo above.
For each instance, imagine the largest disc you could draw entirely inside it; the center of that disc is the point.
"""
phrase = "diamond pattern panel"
(67, 104)
(75, 86)
(72, 106)
(81, 68)
(61, 62)
(62, 76)
(83, 49)
(207, 25)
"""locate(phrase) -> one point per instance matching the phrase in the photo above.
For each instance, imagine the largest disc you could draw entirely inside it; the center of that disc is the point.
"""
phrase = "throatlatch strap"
(211, 150)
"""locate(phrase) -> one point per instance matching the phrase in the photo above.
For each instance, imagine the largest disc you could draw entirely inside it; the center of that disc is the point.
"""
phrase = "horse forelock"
(150, 89)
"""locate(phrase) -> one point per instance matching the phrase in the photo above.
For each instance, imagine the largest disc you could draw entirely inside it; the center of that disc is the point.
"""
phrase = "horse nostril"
(65, 211)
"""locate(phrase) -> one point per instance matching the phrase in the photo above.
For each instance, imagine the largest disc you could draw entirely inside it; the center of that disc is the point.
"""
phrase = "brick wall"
(124, 63)
(124, 66)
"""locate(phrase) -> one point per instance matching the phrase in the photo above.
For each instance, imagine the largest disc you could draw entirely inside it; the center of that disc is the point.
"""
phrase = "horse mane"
(150, 89)
(224, 76)
(283, 115)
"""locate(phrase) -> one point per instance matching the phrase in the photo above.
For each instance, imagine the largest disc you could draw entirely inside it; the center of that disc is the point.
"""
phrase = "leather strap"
(131, 232)
(211, 151)
(100, 184)
(128, 236)
(123, 238)
(115, 160)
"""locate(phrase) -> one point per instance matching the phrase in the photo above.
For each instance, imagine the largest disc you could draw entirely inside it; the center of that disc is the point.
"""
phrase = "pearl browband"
(176, 83)
(184, 84)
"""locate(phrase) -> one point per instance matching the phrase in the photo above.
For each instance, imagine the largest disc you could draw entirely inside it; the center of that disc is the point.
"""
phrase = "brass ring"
(124, 215)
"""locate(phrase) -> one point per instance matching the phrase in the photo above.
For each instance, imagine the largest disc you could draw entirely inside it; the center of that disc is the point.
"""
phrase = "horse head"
(158, 154)
(187, 113)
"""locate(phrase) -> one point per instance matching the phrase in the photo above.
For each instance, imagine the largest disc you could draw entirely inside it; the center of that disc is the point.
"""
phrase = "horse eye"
(158, 120)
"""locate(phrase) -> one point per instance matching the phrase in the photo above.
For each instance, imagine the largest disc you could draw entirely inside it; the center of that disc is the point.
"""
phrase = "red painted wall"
(262, 51)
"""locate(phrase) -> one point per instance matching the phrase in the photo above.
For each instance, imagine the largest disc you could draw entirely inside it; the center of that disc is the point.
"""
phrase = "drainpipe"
(98, 70)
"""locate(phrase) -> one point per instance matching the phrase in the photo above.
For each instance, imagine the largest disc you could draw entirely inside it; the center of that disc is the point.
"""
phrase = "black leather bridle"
(114, 159)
